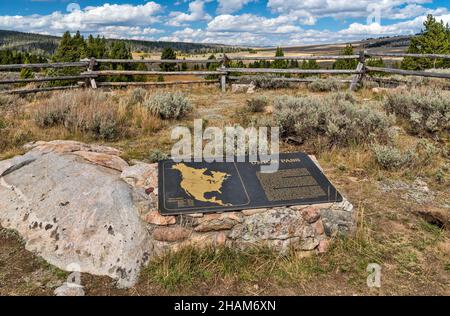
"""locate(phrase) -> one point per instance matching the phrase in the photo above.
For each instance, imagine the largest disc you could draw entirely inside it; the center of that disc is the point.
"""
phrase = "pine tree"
(26, 73)
(433, 39)
(346, 63)
(279, 64)
(168, 53)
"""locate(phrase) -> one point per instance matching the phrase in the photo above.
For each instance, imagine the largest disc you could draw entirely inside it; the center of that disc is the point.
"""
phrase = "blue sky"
(239, 22)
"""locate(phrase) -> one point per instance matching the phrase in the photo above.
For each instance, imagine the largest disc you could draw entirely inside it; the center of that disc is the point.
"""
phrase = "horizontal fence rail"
(223, 74)
(151, 73)
(168, 83)
(409, 72)
(403, 55)
(156, 61)
(292, 71)
(331, 57)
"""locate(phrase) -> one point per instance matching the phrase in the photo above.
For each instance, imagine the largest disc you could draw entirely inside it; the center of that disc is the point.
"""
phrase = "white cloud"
(90, 19)
(340, 9)
(196, 13)
(231, 6)
(251, 23)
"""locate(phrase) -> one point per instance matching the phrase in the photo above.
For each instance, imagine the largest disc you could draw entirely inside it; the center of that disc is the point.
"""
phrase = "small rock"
(141, 175)
(318, 227)
(69, 289)
(170, 234)
(157, 219)
(254, 211)
(211, 222)
(310, 215)
(324, 245)
(242, 88)
(221, 239)
(299, 207)
(195, 215)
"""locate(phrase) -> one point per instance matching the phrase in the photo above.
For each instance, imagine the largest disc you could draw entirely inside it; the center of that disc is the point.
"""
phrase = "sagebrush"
(265, 82)
(325, 85)
(257, 104)
(337, 118)
(427, 110)
(169, 105)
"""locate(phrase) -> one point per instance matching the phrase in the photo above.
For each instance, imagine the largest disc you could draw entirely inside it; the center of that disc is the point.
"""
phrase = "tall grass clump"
(426, 110)
(325, 85)
(169, 105)
(336, 119)
(10, 100)
(257, 104)
(137, 96)
(86, 112)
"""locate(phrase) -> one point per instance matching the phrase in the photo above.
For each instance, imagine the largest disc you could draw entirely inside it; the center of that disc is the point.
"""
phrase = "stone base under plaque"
(300, 227)
(80, 203)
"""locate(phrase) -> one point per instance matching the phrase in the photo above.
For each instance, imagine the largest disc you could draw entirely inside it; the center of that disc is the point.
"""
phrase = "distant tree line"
(14, 57)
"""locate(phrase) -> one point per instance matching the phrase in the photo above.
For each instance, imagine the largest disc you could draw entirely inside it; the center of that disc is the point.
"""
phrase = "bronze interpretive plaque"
(190, 187)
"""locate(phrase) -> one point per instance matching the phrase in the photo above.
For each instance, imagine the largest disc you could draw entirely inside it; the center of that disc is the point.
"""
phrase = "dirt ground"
(394, 229)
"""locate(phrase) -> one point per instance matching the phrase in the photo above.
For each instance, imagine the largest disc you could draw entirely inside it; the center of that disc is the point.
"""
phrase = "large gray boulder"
(68, 202)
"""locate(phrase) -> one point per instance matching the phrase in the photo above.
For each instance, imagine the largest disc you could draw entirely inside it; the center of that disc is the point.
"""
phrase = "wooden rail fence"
(224, 74)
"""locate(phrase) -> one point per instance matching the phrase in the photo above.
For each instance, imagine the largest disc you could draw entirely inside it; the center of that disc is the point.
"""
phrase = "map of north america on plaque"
(190, 187)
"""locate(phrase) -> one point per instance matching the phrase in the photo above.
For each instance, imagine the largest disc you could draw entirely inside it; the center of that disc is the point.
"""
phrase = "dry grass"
(414, 255)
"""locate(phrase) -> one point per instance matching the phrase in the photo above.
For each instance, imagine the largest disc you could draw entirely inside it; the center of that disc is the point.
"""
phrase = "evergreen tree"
(375, 62)
(96, 47)
(279, 64)
(140, 67)
(433, 39)
(346, 63)
(119, 50)
(26, 73)
(168, 53)
(214, 65)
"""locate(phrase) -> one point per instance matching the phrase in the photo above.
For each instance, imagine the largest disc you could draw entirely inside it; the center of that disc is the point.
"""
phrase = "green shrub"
(157, 155)
(427, 110)
(335, 117)
(257, 104)
(169, 105)
(325, 85)
(390, 157)
(265, 82)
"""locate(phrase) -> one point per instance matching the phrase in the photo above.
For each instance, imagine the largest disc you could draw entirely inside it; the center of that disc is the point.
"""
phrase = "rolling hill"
(47, 44)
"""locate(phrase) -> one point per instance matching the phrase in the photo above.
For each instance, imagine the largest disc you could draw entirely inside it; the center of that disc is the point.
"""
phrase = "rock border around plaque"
(300, 227)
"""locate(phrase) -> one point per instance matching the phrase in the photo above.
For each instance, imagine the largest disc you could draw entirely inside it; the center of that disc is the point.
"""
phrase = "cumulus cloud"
(90, 19)
(231, 6)
(196, 13)
(389, 9)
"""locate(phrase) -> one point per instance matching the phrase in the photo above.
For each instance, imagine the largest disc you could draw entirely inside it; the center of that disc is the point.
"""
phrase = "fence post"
(91, 67)
(223, 78)
(358, 78)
